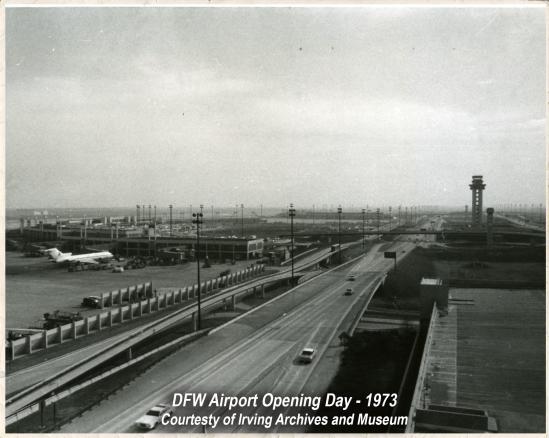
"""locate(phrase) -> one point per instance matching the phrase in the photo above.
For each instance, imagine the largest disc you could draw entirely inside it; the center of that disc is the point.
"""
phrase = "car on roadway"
(351, 278)
(349, 291)
(307, 355)
(151, 419)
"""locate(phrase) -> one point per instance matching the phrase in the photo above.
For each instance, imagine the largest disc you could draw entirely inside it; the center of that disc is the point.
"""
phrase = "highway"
(255, 354)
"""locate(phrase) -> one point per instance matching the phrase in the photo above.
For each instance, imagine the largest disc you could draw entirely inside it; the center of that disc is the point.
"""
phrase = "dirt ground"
(35, 285)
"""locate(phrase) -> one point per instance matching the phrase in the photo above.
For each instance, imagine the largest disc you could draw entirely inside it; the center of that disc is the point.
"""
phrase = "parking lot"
(35, 286)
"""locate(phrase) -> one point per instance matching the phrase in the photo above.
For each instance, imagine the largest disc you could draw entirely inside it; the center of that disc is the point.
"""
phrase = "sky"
(111, 107)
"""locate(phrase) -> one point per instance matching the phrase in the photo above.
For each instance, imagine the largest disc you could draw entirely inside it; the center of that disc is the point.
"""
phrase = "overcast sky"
(363, 105)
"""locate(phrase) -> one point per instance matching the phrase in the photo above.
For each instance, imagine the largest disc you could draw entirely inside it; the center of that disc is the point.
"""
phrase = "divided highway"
(255, 354)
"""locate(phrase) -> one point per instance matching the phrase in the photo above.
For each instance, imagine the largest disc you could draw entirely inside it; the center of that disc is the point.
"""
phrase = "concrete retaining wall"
(120, 312)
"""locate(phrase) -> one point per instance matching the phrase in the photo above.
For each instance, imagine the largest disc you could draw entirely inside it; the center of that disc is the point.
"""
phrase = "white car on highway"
(307, 355)
(151, 419)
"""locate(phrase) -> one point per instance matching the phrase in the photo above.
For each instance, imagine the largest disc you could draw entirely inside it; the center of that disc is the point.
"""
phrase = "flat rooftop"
(488, 353)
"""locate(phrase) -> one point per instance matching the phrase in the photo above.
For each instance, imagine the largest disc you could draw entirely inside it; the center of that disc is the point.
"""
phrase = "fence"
(126, 304)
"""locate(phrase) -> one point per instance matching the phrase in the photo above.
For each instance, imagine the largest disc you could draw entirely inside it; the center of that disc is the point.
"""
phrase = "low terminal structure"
(482, 370)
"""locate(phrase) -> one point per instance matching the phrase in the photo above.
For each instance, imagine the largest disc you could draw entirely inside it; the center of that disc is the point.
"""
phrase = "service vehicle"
(92, 301)
(59, 318)
(151, 419)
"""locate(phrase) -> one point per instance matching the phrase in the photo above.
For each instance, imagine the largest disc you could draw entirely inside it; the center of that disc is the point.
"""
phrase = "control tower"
(477, 186)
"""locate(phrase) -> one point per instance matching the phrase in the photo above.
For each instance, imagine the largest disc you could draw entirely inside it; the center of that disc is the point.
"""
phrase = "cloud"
(387, 120)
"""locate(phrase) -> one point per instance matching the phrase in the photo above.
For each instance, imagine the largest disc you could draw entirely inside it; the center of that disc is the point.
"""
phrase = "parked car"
(307, 355)
(92, 301)
(151, 419)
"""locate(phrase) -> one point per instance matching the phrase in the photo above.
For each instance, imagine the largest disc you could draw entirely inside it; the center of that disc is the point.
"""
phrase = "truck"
(59, 318)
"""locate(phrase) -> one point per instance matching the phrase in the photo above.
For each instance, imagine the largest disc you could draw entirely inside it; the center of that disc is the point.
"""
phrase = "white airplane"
(93, 257)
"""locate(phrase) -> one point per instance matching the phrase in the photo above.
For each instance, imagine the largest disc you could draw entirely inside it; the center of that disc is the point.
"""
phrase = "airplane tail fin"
(54, 253)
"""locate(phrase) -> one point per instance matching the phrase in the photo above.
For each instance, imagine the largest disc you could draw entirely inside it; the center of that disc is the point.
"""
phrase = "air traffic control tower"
(477, 186)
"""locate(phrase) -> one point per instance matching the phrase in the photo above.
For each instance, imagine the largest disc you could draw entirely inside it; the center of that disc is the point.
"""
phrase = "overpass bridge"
(443, 234)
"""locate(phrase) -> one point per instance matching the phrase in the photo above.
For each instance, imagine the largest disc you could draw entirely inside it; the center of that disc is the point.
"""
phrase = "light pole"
(377, 215)
(291, 213)
(242, 219)
(390, 217)
(363, 226)
(339, 211)
(198, 220)
(171, 208)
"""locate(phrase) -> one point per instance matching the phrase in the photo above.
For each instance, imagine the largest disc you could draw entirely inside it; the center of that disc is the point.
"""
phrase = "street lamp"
(339, 211)
(242, 218)
(377, 214)
(363, 225)
(198, 220)
(171, 226)
(291, 213)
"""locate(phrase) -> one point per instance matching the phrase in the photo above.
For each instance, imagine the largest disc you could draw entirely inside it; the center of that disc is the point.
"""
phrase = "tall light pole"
(363, 226)
(291, 213)
(390, 217)
(242, 219)
(377, 215)
(198, 220)
(171, 208)
(339, 211)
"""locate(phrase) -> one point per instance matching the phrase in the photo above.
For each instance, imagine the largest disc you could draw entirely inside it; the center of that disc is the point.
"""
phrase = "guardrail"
(29, 410)
(419, 395)
(297, 257)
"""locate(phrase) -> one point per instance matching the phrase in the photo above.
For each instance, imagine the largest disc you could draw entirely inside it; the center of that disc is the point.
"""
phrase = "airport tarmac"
(35, 286)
